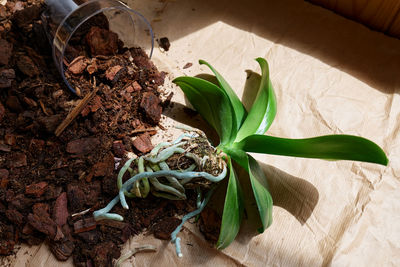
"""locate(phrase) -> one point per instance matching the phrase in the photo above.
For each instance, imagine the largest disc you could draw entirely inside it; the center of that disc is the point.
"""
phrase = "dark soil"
(44, 178)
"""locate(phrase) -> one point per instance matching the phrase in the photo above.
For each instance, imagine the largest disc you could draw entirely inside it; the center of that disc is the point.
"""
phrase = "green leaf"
(213, 105)
(261, 193)
(263, 111)
(237, 105)
(333, 147)
(233, 210)
(238, 155)
(258, 183)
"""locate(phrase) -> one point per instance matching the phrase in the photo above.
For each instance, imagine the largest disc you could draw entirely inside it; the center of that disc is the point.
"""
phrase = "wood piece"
(102, 41)
(78, 65)
(5, 51)
(60, 210)
(84, 225)
(143, 143)
(2, 112)
(143, 130)
(6, 77)
(36, 190)
(82, 146)
(43, 108)
(75, 112)
(41, 221)
(151, 105)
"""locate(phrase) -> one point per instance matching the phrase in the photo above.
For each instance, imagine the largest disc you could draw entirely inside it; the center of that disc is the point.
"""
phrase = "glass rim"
(59, 45)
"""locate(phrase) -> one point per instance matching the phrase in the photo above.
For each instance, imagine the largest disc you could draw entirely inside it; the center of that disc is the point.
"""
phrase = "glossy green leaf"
(213, 105)
(333, 147)
(258, 183)
(261, 192)
(233, 211)
(240, 111)
(238, 155)
(263, 111)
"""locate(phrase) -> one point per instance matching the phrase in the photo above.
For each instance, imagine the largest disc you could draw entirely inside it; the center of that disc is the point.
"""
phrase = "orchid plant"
(241, 131)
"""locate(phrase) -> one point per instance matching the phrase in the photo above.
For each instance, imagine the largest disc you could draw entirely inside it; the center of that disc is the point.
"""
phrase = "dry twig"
(75, 112)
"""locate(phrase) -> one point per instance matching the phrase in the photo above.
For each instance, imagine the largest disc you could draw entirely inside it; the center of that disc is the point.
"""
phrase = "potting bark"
(51, 185)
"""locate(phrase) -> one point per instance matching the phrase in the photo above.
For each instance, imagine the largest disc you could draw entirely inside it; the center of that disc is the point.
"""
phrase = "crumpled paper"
(331, 76)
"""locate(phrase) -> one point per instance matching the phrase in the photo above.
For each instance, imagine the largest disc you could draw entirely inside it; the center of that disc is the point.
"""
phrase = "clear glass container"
(63, 18)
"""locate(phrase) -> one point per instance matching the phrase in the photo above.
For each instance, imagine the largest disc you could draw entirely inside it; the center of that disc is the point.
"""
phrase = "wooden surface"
(380, 15)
